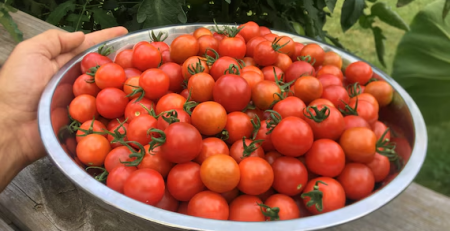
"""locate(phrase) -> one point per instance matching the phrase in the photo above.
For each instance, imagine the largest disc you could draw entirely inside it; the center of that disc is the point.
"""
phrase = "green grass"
(435, 173)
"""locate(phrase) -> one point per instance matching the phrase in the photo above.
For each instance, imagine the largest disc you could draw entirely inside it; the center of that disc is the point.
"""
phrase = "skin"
(42, 55)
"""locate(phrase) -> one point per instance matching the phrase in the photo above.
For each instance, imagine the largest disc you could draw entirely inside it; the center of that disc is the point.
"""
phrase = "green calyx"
(354, 90)
(189, 104)
(156, 141)
(199, 68)
(276, 46)
(249, 149)
(267, 211)
(170, 116)
(136, 91)
(275, 119)
(256, 122)
(101, 177)
(105, 50)
(316, 196)
(349, 110)
(160, 37)
(232, 69)
(318, 115)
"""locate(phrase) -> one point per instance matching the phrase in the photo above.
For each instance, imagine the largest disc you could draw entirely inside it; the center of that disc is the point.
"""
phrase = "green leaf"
(366, 21)
(401, 3)
(379, 43)
(314, 24)
(110, 4)
(60, 11)
(160, 12)
(103, 18)
(228, 1)
(387, 15)
(422, 63)
(9, 8)
(446, 9)
(331, 4)
(74, 18)
(10, 26)
(351, 11)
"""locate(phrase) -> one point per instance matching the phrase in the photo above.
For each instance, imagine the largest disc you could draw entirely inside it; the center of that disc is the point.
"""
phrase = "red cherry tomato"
(155, 83)
(174, 72)
(117, 177)
(145, 56)
(124, 58)
(256, 175)
(232, 92)
(246, 208)
(357, 180)
(333, 195)
(212, 146)
(292, 136)
(145, 185)
(210, 205)
(290, 175)
(111, 103)
(325, 158)
(287, 207)
(183, 47)
(184, 181)
(82, 85)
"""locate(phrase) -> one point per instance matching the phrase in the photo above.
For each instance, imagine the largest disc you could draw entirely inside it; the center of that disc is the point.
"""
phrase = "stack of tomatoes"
(238, 124)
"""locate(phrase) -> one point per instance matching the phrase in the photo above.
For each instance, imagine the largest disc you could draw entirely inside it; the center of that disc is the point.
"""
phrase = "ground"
(436, 169)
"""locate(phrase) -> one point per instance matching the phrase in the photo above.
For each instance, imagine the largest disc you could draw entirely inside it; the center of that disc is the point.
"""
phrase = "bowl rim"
(176, 220)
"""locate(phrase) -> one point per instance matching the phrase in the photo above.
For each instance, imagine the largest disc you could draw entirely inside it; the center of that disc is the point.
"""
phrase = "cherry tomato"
(264, 30)
(403, 148)
(358, 71)
(117, 177)
(380, 167)
(264, 53)
(210, 205)
(382, 91)
(83, 86)
(132, 72)
(333, 195)
(246, 208)
(218, 36)
(330, 70)
(249, 61)
(325, 158)
(256, 175)
(252, 78)
(332, 58)
(297, 50)
(198, 33)
(89, 127)
(290, 106)
(288, 45)
(145, 185)
(287, 207)
(238, 126)
(253, 69)
(283, 62)
(192, 65)
(366, 97)
(290, 175)
(220, 173)
(337, 95)
(116, 156)
(93, 59)
(308, 88)
(232, 47)
(252, 43)
(170, 101)
(209, 118)
(181, 116)
(365, 110)
(212, 146)
(184, 181)
(183, 47)
(135, 109)
(222, 64)
(160, 45)
(270, 71)
(232, 92)
(357, 180)
(316, 53)
(325, 122)
(124, 57)
(270, 37)
(179, 150)
(130, 85)
(249, 30)
(155, 160)
(297, 70)
(138, 129)
(145, 56)
(83, 108)
(168, 202)
(329, 80)
(359, 144)
(111, 103)
(174, 72)
(92, 150)
(207, 41)
(352, 121)
(292, 136)
(155, 83)
(263, 94)
(379, 128)
(201, 86)
(238, 151)
(267, 144)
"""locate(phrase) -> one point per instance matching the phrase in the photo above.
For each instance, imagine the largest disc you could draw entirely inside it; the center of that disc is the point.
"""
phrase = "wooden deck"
(42, 198)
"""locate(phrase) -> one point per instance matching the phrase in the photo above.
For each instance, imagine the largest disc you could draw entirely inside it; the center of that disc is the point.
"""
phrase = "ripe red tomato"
(252, 78)
(124, 57)
(220, 173)
(329, 80)
(290, 106)
(288, 45)
(132, 72)
(170, 101)
(380, 167)
(181, 116)
(138, 129)
(130, 85)
(207, 41)
(331, 70)
(365, 110)
(210, 205)
(193, 64)
(212, 146)
(115, 157)
(298, 48)
(358, 71)
(246, 208)
(316, 53)
(145, 185)
(92, 150)
(117, 177)
(297, 70)
(256, 175)
(238, 125)
(321, 101)
(83, 108)
(352, 121)
(200, 32)
(184, 181)
(359, 144)
(168, 202)
(83, 86)
(114, 123)
(155, 160)
(332, 58)
(183, 47)
(92, 60)
(238, 152)
(263, 94)
(270, 71)
(333, 195)
(336, 94)
(264, 54)
(89, 127)
(232, 92)
(382, 91)
(270, 37)
(145, 56)
(252, 43)
(366, 97)
(325, 122)
(267, 144)
(249, 30)
(209, 118)
(283, 62)
(201, 86)
(379, 128)
(179, 150)
(174, 72)
(357, 180)
(222, 64)
(290, 175)
(232, 47)
(160, 45)
(308, 88)
(292, 136)
(272, 156)
(135, 109)
(287, 208)
(111, 103)
(248, 61)
(155, 83)
(325, 158)
(264, 30)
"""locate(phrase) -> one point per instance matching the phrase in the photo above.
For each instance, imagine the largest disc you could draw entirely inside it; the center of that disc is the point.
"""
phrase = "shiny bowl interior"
(402, 113)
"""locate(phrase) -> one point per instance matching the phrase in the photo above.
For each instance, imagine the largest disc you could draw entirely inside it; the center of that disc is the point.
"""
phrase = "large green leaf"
(161, 12)
(422, 63)
(60, 11)
(351, 11)
(10, 26)
(103, 18)
(401, 3)
(379, 43)
(387, 15)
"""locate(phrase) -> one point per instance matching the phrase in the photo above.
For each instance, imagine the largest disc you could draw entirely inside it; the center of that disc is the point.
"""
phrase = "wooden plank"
(4, 226)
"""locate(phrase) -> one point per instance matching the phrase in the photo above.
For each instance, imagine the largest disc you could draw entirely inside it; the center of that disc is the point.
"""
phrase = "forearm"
(11, 160)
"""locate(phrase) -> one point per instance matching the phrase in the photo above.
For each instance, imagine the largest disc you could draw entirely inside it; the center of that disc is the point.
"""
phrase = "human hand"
(23, 78)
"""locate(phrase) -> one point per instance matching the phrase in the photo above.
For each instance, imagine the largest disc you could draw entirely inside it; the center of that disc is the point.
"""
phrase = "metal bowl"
(402, 113)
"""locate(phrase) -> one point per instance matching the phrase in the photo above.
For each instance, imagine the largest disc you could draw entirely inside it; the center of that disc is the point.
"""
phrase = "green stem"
(81, 15)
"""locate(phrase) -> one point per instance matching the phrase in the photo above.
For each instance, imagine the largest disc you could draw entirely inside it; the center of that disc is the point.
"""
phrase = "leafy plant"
(7, 21)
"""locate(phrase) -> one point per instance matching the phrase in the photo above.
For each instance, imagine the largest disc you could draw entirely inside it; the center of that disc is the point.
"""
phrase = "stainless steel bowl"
(402, 112)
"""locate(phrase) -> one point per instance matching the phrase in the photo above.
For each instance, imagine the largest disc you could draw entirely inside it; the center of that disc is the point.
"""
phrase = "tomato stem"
(156, 141)
(387, 148)
(223, 135)
(232, 69)
(150, 111)
(101, 177)
(158, 38)
(136, 91)
(189, 104)
(316, 196)
(138, 155)
(256, 126)
(349, 110)
(233, 31)
(241, 63)
(217, 30)
(354, 90)
(91, 72)
(275, 46)
(275, 119)
(90, 130)
(371, 80)
(248, 149)
(170, 116)
(119, 137)
(267, 211)
(308, 59)
(318, 115)
(209, 59)
(199, 68)
(105, 50)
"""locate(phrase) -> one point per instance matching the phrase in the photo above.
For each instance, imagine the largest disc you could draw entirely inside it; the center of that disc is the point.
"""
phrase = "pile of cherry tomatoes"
(233, 124)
